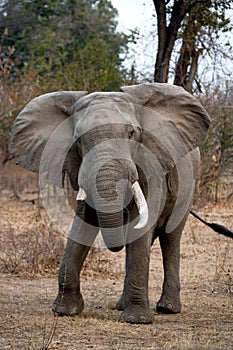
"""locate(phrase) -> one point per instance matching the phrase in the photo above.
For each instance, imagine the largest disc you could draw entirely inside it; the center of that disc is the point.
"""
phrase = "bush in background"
(215, 178)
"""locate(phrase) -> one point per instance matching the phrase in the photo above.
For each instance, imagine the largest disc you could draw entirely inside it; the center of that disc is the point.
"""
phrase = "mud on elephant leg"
(69, 300)
(170, 246)
(135, 299)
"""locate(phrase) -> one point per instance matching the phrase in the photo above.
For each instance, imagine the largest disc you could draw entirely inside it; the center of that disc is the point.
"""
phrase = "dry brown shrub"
(37, 250)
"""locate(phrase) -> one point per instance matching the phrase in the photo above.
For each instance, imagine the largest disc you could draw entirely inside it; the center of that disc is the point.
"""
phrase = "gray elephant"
(132, 156)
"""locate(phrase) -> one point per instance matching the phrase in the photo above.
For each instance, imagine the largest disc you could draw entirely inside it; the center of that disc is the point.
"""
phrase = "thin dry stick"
(52, 332)
(55, 320)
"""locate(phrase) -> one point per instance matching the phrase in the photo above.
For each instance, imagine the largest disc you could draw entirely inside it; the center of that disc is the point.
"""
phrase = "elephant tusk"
(141, 204)
(81, 196)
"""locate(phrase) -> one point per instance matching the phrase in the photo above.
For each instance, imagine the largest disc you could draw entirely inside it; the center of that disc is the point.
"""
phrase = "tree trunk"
(167, 35)
(186, 67)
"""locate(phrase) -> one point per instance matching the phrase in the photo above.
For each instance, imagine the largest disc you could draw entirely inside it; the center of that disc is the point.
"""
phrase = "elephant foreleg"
(135, 295)
(69, 300)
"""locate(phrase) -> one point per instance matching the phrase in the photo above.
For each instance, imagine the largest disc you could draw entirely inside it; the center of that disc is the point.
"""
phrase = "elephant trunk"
(109, 198)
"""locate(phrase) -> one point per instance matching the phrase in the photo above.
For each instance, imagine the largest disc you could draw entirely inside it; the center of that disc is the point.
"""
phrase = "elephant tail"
(216, 227)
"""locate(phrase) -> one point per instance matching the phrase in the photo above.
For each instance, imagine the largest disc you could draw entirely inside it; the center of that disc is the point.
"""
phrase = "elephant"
(132, 156)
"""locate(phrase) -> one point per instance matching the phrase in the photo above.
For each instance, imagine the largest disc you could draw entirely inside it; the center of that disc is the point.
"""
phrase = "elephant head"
(117, 149)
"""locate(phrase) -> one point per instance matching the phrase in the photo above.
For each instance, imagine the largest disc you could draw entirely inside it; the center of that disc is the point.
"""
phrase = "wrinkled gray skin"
(114, 116)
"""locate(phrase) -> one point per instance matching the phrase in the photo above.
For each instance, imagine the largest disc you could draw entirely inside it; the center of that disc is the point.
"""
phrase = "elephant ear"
(37, 122)
(174, 104)
(174, 124)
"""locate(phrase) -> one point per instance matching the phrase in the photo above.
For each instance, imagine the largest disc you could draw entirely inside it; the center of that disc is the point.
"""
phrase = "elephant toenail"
(131, 319)
(169, 306)
(143, 319)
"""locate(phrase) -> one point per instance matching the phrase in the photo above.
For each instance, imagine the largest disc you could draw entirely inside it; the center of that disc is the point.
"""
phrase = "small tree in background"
(197, 24)
(215, 178)
(15, 89)
(188, 31)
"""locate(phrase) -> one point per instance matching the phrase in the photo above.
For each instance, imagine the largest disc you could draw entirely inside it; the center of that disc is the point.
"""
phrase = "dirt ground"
(206, 320)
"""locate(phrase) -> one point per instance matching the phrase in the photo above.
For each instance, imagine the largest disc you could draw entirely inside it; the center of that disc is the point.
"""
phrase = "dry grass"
(36, 251)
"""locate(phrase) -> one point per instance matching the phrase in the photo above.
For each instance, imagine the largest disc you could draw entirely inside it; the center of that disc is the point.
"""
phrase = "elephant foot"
(68, 304)
(168, 305)
(137, 314)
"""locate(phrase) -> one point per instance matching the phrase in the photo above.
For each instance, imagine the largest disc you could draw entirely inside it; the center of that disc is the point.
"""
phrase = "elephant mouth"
(139, 200)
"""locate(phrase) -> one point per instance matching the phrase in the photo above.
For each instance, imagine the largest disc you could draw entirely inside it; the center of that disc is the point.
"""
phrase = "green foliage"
(57, 45)
(94, 68)
(208, 19)
(50, 36)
